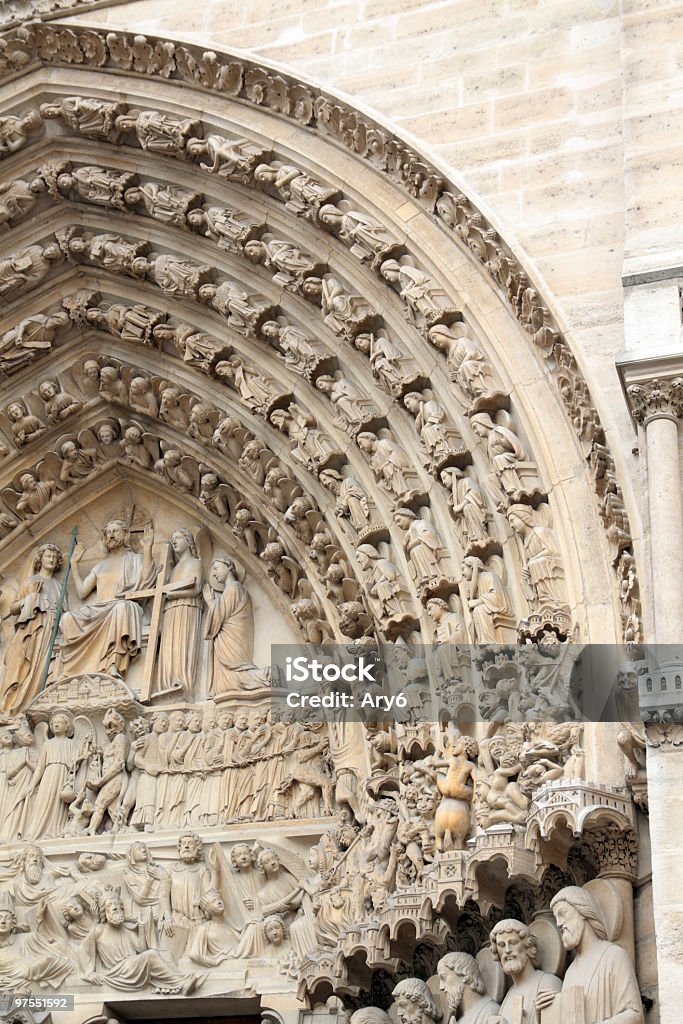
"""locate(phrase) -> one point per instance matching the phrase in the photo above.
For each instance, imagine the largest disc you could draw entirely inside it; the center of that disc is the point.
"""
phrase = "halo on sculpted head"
(240, 571)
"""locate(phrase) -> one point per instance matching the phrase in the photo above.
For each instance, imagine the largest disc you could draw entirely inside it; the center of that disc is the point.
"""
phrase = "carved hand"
(79, 551)
(148, 536)
(544, 999)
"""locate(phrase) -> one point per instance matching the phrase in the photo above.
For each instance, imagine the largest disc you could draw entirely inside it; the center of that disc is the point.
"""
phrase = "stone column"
(654, 390)
(664, 765)
(657, 405)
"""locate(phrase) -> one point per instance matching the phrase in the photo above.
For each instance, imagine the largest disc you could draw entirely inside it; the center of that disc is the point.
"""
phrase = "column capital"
(653, 386)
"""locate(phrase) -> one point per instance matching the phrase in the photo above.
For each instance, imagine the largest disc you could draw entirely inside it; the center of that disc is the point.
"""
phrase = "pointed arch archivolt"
(370, 301)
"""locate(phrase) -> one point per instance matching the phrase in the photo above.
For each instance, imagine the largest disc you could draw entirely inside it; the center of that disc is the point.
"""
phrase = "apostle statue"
(514, 946)
(230, 628)
(105, 635)
(461, 982)
(600, 976)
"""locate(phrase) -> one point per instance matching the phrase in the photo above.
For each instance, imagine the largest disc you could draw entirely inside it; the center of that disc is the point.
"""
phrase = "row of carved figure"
(152, 925)
(207, 765)
(198, 767)
(599, 985)
(572, 388)
(128, 921)
(156, 398)
(515, 477)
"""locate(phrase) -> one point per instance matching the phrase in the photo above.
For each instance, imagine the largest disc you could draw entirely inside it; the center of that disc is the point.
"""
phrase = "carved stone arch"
(437, 221)
(429, 363)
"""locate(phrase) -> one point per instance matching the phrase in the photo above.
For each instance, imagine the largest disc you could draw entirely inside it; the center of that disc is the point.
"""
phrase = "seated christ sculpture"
(103, 636)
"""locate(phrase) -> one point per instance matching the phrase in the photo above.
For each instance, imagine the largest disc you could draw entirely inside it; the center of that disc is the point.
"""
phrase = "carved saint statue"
(601, 972)
(35, 607)
(57, 756)
(104, 636)
(487, 598)
(182, 616)
(542, 573)
(230, 628)
(461, 982)
(515, 947)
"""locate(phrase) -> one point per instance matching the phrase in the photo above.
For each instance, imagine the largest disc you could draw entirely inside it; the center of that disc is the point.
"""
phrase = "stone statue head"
(72, 910)
(190, 848)
(575, 910)
(16, 411)
(8, 918)
(370, 1015)
(182, 539)
(114, 723)
(513, 945)
(61, 723)
(112, 907)
(436, 608)
(176, 721)
(222, 569)
(140, 727)
(482, 424)
(271, 330)
(138, 853)
(48, 558)
(212, 904)
(160, 722)
(115, 535)
(414, 1002)
(242, 857)
(32, 863)
(139, 386)
(275, 929)
(6, 738)
(47, 390)
(268, 862)
(106, 434)
(458, 971)
(92, 861)
(520, 515)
